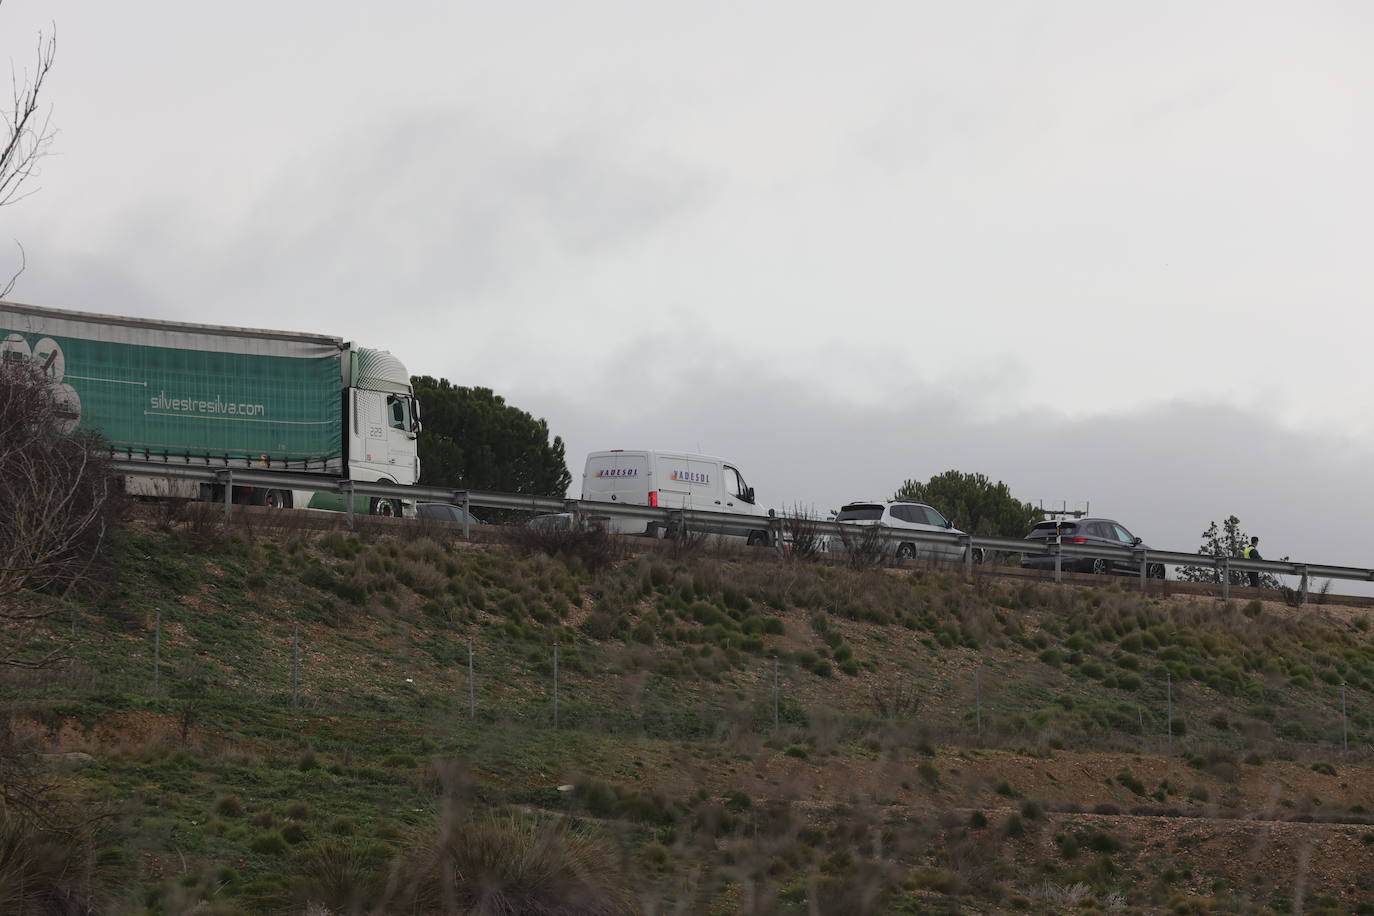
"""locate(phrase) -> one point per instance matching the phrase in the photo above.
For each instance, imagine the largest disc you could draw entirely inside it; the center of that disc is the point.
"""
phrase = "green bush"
(269, 843)
(229, 806)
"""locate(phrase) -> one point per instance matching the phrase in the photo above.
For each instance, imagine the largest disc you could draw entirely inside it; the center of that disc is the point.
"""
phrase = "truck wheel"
(906, 552)
(276, 499)
(387, 508)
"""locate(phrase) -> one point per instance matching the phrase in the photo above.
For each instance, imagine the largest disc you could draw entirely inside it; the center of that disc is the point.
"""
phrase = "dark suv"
(1088, 532)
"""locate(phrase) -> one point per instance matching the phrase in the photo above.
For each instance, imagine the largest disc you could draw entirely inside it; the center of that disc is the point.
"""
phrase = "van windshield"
(860, 512)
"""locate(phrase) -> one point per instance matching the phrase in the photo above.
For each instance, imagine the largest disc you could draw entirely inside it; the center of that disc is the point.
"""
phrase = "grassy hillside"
(283, 722)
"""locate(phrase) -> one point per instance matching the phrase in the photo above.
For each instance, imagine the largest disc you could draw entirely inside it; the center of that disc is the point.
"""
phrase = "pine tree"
(1225, 540)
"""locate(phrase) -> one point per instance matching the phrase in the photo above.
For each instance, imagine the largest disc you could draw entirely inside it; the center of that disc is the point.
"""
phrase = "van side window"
(734, 484)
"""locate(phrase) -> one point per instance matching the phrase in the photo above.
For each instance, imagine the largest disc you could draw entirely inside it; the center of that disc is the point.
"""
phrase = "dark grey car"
(1089, 532)
(445, 512)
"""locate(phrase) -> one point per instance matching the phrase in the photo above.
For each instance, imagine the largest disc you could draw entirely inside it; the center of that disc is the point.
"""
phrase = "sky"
(1112, 254)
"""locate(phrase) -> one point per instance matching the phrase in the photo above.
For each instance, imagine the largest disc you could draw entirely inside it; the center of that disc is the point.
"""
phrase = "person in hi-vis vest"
(1252, 553)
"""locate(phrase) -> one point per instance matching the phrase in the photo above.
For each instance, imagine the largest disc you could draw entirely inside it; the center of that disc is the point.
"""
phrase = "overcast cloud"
(1105, 252)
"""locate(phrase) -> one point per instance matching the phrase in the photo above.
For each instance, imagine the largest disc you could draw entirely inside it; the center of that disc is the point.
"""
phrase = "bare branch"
(29, 133)
(23, 264)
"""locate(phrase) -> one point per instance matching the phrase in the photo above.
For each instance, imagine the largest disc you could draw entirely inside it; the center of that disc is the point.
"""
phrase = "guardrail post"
(1144, 556)
(571, 507)
(1058, 560)
(967, 541)
(346, 488)
(467, 516)
(1302, 589)
(226, 479)
(775, 533)
(1224, 565)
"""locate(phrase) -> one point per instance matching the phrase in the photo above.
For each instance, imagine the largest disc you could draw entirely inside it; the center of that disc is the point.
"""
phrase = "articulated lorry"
(166, 393)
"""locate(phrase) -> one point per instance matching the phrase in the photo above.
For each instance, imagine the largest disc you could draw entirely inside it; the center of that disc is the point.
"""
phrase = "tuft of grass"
(511, 863)
(927, 771)
(40, 870)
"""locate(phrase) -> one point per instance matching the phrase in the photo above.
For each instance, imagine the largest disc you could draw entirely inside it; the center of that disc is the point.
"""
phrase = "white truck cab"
(669, 480)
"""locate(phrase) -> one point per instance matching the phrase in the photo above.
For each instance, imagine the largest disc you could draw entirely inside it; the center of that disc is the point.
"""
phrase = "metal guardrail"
(775, 526)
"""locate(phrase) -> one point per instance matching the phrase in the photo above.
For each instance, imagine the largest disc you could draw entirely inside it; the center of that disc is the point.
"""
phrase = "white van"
(669, 480)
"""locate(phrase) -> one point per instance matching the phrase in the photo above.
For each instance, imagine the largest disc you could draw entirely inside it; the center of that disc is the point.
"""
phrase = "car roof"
(1077, 521)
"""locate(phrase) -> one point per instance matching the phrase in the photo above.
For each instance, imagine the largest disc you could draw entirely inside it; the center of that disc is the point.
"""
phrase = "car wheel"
(1100, 567)
(387, 508)
(978, 556)
(1156, 571)
(906, 551)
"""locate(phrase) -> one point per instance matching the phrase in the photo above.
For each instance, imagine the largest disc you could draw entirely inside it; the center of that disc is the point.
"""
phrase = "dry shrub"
(802, 538)
(55, 489)
(895, 698)
(591, 546)
(504, 864)
(866, 548)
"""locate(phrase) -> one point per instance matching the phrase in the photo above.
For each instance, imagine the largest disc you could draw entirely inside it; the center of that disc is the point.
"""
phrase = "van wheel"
(906, 552)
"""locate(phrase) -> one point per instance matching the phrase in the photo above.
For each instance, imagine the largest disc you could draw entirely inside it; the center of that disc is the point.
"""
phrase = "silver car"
(903, 515)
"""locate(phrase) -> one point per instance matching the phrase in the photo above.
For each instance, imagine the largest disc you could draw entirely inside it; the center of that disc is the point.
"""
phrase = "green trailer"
(209, 395)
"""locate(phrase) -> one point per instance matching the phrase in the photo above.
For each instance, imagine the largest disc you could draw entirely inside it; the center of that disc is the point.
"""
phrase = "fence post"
(472, 693)
(775, 693)
(1345, 727)
(1170, 683)
(978, 700)
(555, 683)
(295, 665)
(157, 648)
